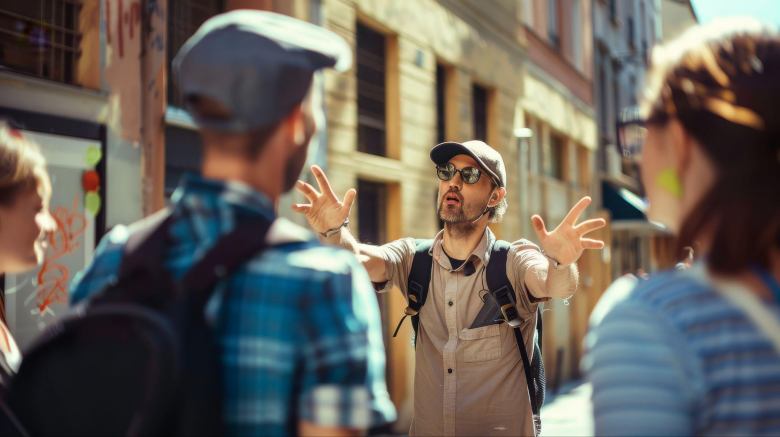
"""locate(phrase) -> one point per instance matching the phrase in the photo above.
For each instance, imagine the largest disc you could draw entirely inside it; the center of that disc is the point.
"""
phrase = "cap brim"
(441, 153)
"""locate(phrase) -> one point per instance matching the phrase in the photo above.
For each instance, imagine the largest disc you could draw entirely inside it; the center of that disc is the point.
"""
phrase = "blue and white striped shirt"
(671, 356)
(299, 330)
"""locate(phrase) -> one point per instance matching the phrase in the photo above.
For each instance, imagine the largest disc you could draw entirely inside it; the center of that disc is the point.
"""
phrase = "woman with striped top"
(682, 353)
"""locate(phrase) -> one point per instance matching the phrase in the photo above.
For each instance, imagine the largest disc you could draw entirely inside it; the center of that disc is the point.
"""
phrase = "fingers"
(301, 207)
(589, 243)
(577, 210)
(322, 181)
(538, 223)
(349, 198)
(307, 190)
(590, 226)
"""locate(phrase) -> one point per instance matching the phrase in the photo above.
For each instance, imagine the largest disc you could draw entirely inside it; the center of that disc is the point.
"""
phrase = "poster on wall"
(35, 299)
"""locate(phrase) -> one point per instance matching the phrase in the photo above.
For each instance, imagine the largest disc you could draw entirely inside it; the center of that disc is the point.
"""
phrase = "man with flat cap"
(298, 326)
(469, 372)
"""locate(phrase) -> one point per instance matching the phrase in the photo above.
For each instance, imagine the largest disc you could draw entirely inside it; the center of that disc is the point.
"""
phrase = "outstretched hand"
(324, 211)
(566, 243)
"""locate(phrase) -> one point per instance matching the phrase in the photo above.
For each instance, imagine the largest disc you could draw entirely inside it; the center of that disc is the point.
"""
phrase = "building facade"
(556, 135)
(625, 33)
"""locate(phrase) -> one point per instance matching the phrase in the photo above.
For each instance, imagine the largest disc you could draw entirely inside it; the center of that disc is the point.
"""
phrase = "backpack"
(501, 304)
(139, 358)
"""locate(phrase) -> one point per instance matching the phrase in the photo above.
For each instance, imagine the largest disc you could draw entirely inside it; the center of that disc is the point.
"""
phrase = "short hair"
(22, 166)
(496, 213)
(206, 107)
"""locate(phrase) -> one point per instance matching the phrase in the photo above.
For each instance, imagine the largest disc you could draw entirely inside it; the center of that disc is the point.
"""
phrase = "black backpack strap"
(503, 293)
(145, 246)
(418, 283)
(230, 252)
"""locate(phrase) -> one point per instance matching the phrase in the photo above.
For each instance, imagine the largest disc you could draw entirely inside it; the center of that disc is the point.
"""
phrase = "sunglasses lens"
(445, 172)
(470, 175)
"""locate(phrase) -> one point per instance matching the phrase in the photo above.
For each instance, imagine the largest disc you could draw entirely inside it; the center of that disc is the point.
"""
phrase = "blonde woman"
(25, 190)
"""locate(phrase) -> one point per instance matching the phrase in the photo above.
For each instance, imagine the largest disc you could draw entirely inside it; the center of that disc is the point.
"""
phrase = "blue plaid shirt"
(300, 328)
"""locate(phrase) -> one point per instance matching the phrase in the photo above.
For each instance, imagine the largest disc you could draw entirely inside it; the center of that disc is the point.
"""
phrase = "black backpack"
(139, 358)
(501, 303)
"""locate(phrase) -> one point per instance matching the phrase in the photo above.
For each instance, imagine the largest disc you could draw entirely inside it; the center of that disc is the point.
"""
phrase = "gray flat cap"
(487, 157)
(258, 64)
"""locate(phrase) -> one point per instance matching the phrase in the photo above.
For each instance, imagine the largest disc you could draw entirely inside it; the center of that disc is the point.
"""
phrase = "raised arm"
(327, 215)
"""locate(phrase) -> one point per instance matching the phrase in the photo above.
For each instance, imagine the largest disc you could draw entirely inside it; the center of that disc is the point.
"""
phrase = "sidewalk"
(569, 413)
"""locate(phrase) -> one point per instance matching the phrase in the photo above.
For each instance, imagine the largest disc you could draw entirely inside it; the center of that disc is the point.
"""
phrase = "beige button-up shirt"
(471, 381)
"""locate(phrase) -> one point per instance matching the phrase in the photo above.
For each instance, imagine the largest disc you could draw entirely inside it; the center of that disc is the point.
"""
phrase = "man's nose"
(456, 181)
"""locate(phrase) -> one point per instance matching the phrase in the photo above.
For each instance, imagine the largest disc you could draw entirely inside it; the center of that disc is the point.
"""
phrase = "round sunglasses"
(470, 175)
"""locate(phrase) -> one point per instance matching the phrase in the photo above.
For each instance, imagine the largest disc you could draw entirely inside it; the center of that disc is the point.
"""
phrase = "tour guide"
(469, 379)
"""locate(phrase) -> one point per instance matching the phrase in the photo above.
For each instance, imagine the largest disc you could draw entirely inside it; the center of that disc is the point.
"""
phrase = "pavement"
(569, 412)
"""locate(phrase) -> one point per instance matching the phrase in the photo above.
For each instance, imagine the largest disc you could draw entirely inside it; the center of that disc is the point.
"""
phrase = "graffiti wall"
(36, 299)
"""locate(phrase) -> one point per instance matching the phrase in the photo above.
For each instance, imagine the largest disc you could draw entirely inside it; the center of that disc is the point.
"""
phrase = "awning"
(622, 203)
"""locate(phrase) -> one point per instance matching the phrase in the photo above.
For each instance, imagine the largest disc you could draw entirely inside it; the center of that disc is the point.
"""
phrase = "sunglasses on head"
(470, 175)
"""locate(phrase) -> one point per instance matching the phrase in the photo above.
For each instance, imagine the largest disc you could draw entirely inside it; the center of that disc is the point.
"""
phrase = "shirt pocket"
(481, 344)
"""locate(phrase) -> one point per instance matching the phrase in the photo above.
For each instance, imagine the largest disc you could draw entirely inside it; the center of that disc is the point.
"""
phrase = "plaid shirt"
(299, 330)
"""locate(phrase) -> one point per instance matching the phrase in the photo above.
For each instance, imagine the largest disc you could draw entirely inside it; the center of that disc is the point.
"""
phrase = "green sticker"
(94, 155)
(92, 202)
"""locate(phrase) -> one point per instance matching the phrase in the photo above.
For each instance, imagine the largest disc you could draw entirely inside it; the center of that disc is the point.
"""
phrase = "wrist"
(333, 231)
(554, 263)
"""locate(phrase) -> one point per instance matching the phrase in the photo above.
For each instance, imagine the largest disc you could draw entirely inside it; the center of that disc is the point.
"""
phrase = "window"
(184, 18)
(40, 38)
(643, 30)
(556, 159)
(603, 106)
(630, 33)
(613, 10)
(479, 111)
(372, 211)
(575, 36)
(441, 104)
(372, 120)
(183, 147)
(552, 23)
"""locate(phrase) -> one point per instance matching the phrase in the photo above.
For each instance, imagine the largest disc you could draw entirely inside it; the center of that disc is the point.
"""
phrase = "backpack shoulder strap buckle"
(507, 306)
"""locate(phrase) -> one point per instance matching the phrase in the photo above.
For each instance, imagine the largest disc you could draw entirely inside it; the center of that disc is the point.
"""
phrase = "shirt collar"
(479, 256)
(197, 194)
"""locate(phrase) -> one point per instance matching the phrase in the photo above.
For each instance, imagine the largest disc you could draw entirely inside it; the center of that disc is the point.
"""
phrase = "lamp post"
(523, 136)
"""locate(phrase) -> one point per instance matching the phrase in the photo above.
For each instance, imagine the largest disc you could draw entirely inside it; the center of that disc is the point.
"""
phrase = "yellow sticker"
(92, 202)
(94, 155)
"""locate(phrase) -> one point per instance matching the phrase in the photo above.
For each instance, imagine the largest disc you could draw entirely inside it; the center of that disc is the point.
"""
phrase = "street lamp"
(524, 135)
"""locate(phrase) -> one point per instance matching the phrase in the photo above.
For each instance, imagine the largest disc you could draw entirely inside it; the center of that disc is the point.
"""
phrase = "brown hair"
(211, 109)
(22, 165)
(722, 82)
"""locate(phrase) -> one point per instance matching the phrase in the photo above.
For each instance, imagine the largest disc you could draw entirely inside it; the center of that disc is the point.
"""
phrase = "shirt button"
(450, 303)
(449, 370)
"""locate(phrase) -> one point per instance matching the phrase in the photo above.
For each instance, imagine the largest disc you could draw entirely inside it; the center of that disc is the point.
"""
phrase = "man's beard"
(456, 220)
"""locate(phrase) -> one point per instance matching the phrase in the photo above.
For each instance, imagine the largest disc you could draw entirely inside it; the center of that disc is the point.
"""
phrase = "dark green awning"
(622, 203)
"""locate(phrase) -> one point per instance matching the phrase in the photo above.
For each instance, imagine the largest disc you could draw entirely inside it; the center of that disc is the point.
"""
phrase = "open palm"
(566, 242)
(324, 211)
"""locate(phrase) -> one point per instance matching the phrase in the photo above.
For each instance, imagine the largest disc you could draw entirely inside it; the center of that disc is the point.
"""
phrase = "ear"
(497, 196)
(293, 126)
(680, 144)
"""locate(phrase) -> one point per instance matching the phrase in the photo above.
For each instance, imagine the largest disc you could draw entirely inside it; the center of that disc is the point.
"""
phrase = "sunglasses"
(470, 175)
(632, 132)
